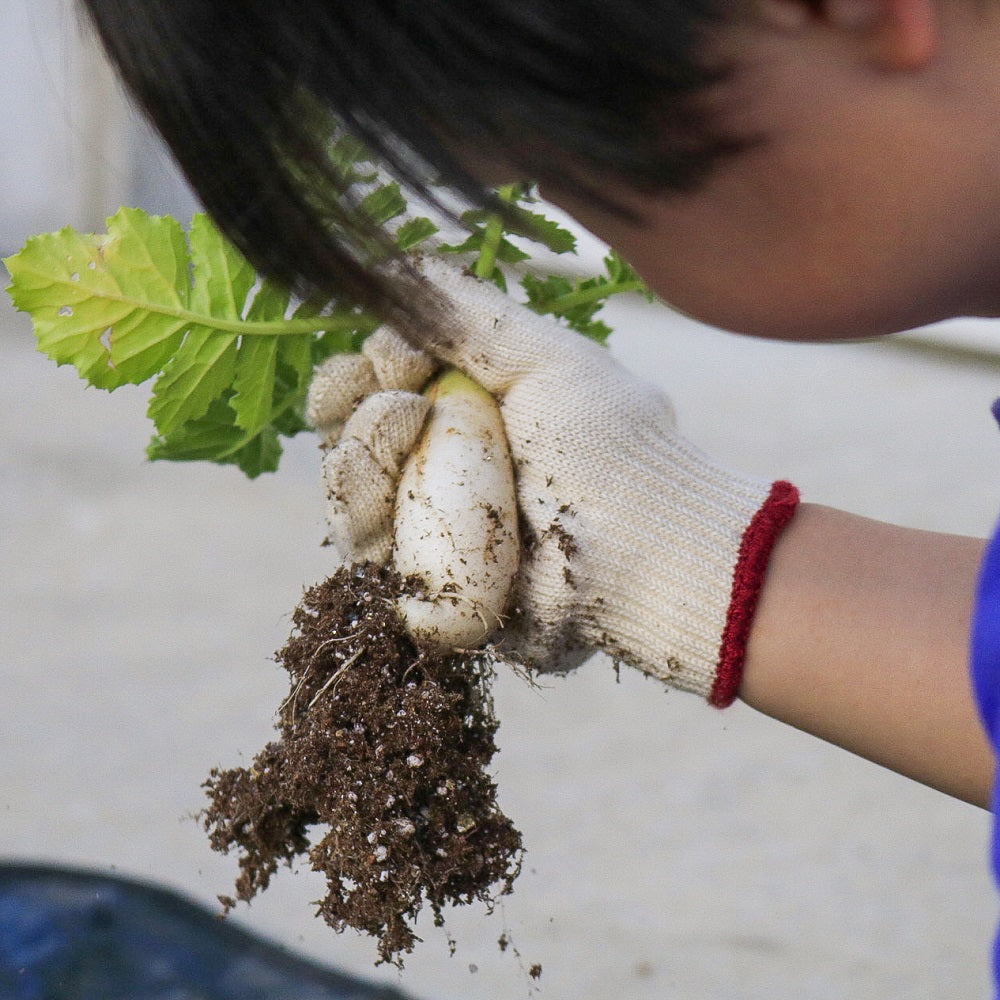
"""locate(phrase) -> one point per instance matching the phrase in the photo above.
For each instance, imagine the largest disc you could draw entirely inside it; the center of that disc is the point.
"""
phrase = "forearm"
(861, 638)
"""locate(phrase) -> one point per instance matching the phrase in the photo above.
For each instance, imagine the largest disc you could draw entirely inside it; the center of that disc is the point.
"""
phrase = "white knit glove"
(634, 542)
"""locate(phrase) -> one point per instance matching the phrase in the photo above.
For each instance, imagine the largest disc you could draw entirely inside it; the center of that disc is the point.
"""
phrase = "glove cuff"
(748, 579)
(684, 608)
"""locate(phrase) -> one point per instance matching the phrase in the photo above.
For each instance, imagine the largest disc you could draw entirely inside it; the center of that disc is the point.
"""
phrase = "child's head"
(768, 164)
(871, 202)
(531, 82)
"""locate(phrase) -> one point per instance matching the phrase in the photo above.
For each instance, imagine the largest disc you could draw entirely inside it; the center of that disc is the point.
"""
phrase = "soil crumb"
(379, 775)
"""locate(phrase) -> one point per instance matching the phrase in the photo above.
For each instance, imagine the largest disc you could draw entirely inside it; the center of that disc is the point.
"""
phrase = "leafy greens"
(229, 353)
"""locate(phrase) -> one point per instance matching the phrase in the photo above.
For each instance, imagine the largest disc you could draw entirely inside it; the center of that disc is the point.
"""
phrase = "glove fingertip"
(338, 385)
(396, 363)
(360, 499)
(389, 423)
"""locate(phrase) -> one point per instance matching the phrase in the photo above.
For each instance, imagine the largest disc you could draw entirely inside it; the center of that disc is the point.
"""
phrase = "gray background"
(673, 850)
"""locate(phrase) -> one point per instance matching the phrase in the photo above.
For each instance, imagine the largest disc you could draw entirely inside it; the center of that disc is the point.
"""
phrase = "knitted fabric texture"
(632, 536)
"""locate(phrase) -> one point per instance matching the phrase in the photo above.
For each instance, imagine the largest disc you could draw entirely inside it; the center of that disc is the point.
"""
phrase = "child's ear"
(898, 34)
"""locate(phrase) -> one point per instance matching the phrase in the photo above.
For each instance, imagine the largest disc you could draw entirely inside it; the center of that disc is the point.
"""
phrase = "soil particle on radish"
(379, 772)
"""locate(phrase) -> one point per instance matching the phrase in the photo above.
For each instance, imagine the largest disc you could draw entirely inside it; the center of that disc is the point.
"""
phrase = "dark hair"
(247, 92)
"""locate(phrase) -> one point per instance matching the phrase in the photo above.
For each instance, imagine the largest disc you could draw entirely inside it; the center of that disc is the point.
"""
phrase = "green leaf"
(542, 292)
(384, 204)
(253, 384)
(224, 277)
(230, 366)
(472, 243)
(214, 436)
(142, 302)
(346, 155)
(508, 253)
(572, 303)
(204, 365)
(413, 232)
(199, 372)
(498, 278)
(577, 303)
(624, 276)
(261, 454)
(530, 225)
(348, 329)
(550, 234)
(257, 359)
(115, 305)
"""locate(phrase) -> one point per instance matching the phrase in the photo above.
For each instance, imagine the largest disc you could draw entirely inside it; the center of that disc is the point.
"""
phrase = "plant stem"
(493, 231)
(585, 296)
(243, 327)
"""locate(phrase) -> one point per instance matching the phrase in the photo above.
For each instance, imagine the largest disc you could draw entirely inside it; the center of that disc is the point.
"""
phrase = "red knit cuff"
(748, 578)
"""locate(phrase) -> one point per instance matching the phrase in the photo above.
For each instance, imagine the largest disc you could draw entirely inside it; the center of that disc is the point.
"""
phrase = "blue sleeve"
(985, 661)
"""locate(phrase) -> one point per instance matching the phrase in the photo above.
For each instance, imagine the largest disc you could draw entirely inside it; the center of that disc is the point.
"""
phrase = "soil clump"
(378, 776)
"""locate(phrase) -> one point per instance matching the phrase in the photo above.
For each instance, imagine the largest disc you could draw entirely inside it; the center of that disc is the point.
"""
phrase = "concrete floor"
(673, 850)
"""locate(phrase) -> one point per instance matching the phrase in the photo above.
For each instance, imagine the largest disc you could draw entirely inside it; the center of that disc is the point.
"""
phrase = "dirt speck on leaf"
(342, 784)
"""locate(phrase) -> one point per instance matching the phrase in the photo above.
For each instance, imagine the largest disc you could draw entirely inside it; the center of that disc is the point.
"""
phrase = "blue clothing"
(986, 685)
(985, 660)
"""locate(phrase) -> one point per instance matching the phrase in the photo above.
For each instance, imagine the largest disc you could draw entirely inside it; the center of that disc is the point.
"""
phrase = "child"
(829, 169)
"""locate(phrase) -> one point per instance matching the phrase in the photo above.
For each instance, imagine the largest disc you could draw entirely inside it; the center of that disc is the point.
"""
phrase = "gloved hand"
(634, 542)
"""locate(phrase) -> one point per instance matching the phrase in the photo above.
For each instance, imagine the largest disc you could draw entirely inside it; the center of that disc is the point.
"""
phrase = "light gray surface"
(71, 148)
(673, 850)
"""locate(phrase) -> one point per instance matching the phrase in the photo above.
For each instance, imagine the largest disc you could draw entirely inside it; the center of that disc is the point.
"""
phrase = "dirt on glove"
(379, 775)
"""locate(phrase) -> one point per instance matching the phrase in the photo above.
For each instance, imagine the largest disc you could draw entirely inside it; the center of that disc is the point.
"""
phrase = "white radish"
(456, 518)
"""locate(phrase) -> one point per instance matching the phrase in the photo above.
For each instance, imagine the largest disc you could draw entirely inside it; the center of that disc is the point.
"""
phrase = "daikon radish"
(456, 518)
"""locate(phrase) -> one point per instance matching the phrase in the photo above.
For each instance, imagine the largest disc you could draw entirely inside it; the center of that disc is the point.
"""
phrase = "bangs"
(248, 95)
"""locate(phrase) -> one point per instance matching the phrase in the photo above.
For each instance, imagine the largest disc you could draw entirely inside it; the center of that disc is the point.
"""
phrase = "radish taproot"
(456, 518)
